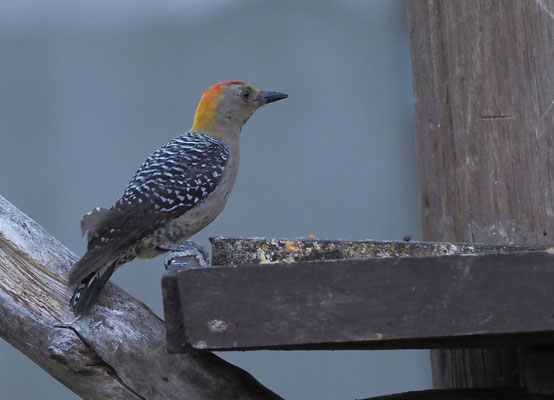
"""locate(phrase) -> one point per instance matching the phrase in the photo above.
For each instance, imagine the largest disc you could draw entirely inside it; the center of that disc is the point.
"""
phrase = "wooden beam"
(484, 108)
(116, 352)
(464, 394)
(536, 366)
(393, 302)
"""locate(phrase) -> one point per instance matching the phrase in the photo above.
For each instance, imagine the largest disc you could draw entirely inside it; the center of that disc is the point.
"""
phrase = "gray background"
(90, 89)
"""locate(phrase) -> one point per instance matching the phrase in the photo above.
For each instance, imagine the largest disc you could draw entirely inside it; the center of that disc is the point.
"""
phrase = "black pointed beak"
(269, 97)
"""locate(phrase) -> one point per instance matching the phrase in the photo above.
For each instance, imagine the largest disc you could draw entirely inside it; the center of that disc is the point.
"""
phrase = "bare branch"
(116, 352)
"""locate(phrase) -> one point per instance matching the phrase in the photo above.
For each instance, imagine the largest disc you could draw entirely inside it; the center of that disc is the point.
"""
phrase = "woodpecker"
(180, 189)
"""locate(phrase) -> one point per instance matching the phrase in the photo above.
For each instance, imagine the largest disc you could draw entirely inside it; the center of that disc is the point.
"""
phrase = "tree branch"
(116, 352)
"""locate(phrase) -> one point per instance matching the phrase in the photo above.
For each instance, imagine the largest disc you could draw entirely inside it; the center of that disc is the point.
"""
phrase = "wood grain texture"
(484, 93)
(484, 103)
(116, 352)
(393, 302)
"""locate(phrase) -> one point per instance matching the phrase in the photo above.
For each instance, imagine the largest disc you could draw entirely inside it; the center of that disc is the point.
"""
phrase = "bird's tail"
(88, 289)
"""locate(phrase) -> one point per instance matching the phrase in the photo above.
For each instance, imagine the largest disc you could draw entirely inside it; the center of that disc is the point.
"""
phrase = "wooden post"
(484, 102)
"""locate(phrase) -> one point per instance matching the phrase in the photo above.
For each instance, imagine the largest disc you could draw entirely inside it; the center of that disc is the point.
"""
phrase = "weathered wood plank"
(228, 251)
(394, 302)
(175, 329)
(118, 351)
(484, 108)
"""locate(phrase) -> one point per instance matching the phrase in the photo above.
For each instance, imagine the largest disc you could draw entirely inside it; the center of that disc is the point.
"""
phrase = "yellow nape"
(205, 119)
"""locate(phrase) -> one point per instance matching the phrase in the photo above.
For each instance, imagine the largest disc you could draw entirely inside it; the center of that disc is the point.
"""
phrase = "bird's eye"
(245, 94)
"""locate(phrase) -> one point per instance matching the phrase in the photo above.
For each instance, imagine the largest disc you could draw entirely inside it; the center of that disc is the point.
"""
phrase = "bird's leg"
(187, 249)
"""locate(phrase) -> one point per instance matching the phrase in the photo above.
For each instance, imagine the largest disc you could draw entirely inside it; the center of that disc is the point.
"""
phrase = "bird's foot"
(188, 249)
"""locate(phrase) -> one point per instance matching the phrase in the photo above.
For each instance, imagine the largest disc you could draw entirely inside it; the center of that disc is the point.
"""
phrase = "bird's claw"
(188, 249)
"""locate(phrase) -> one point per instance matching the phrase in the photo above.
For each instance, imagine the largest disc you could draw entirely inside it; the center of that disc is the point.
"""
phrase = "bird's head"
(224, 108)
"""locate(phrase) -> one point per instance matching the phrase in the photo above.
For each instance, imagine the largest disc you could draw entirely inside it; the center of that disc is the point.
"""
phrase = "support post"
(484, 103)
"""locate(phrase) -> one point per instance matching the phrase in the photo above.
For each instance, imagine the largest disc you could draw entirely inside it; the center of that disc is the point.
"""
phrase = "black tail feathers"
(88, 289)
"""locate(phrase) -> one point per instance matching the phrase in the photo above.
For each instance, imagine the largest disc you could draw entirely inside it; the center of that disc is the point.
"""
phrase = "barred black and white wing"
(174, 179)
